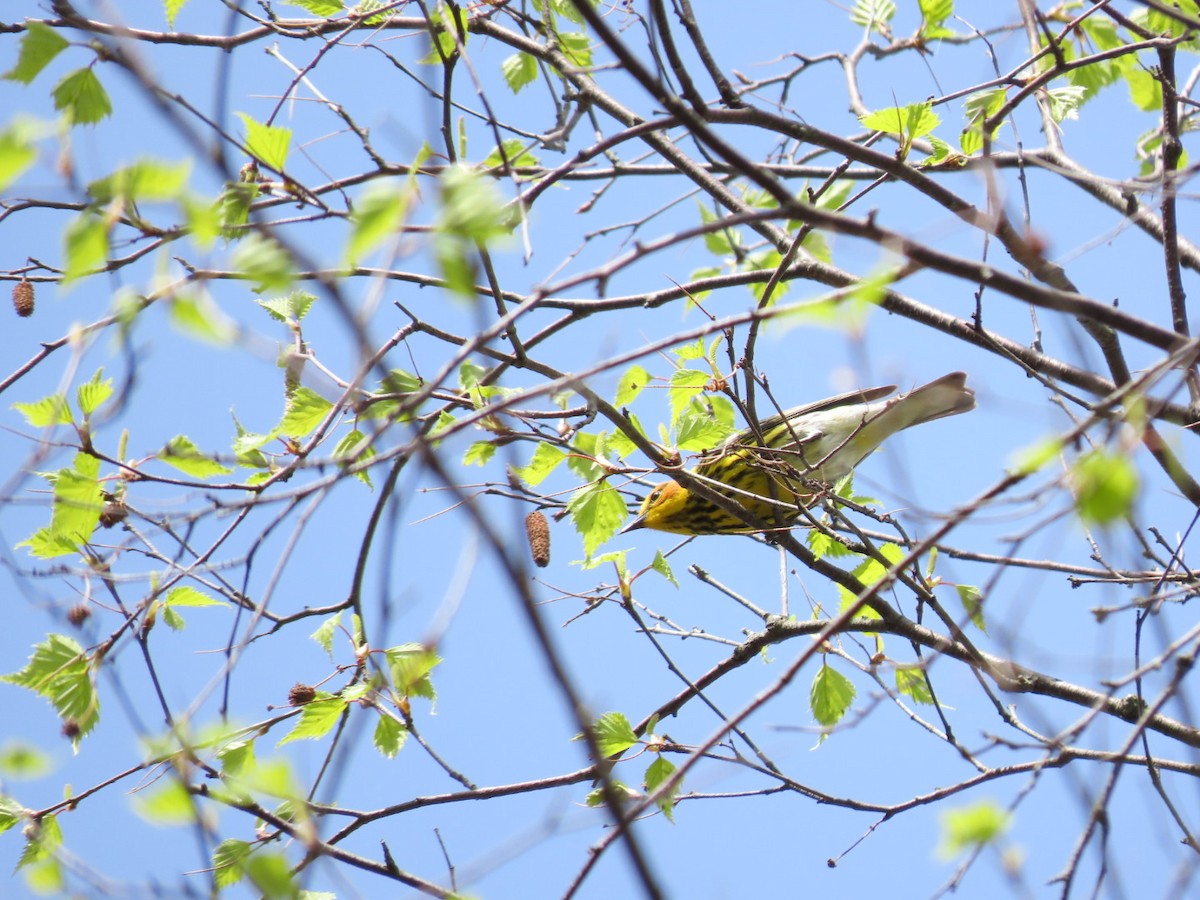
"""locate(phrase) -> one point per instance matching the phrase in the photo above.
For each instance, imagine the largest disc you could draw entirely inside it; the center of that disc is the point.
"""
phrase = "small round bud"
(301, 694)
(22, 296)
(113, 511)
(78, 614)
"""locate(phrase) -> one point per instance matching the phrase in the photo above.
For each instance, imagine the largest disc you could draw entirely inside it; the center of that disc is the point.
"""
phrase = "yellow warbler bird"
(775, 468)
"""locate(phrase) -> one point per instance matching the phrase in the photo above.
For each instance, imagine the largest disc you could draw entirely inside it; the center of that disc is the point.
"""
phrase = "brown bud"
(78, 614)
(538, 531)
(114, 511)
(71, 729)
(23, 298)
(301, 694)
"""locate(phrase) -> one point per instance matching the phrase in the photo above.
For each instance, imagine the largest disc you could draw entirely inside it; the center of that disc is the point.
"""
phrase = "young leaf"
(546, 458)
(267, 143)
(376, 216)
(317, 718)
(831, 695)
(972, 826)
(912, 683)
(1105, 486)
(972, 601)
(658, 772)
(39, 45)
(597, 511)
(92, 394)
(60, 671)
(614, 734)
(47, 412)
(82, 98)
(410, 666)
(630, 385)
(185, 456)
(519, 70)
(228, 861)
(306, 409)
(389, 736)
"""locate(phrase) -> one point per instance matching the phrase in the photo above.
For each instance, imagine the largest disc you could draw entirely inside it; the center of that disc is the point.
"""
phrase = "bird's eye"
(655, 494)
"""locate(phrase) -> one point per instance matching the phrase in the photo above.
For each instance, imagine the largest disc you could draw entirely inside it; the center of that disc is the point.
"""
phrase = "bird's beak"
(639, 522)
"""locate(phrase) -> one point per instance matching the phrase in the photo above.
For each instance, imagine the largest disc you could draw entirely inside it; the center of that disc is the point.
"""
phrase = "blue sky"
(498, 717)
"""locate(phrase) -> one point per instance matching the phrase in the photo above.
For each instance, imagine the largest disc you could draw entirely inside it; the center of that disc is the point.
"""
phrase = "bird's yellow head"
(664, 509)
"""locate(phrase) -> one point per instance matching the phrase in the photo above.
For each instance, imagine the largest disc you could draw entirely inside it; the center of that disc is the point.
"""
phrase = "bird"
(777, 467)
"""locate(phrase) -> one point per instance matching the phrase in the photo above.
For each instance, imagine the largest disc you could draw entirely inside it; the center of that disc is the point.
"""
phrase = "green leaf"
(92, 394)
(263, 262)
(19, 760)
(588, 446)
(233, 207)
(972, 826)
(824, 545)
(267, 143)
(576, 47)
(172, 9)
(147, 180)
(17, 153)
(47, 412)
(180, 597)
(353, 449)
(616, 557)
(831, 695)
(872, 13)
(630, 386)
(658, 772)
(613, 734)
(324, 8)
(546, 458)
(82, 98)
(11, 812)
(597, 511)
(1105, 486)
(317, 718)
(870, 572)
(306, 409)
(934, 12)
(60, 671)
(479, 453)
(685, 385)
(410, 666)
(376, 216)
(1064, 102)
(443, 40)
(86, 246)
(39, 45)
(236, 757)
(663, 568)
(979, 107)
(168, 803)
(43, 840)
(271, 874)
(182, 454)
(908, 122)
(519, 70)
(229, 862)
(705, 424)
(512, 150)
(972, 601)
(325, 631)
(721, 241)
(78, 501)
(912, 683)
(292, 307)
(389, 737)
